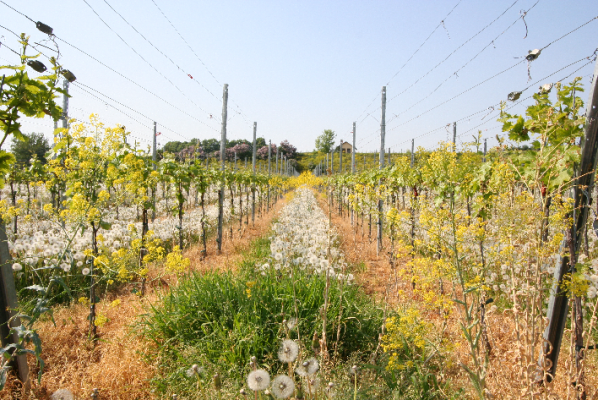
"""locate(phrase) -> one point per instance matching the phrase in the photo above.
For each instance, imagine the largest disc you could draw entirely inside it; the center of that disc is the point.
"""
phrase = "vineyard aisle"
(118, 364)
(375, 273)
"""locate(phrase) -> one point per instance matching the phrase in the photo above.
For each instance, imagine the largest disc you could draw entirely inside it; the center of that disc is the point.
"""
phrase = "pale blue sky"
(299, 67)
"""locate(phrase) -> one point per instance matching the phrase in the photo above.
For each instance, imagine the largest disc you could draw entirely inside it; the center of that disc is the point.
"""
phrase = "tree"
(262, 152)
(325, 141)
(288, 149)
(175, 146)
(23, 150)
(210, 145)
(243, 150)
(236, 142)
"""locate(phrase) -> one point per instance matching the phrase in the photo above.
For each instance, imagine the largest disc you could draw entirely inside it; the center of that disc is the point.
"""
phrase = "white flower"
(313, 386)
(17, 267)
(288, 351)
(292, 323)
(65, 267)
(278, 256)
(283, 387)
(258, 380)
(195, 370)
(85, 271)
(308, 368)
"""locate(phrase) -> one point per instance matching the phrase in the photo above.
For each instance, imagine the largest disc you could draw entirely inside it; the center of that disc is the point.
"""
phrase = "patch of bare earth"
(118, 363)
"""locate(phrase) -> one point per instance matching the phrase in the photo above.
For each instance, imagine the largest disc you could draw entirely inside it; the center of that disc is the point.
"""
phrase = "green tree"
(325, 141)
(210, 145)
(175, 146)
(260, 142)
(23, 150)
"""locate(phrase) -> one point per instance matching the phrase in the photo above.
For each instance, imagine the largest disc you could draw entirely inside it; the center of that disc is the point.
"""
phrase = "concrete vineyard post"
(222, 160)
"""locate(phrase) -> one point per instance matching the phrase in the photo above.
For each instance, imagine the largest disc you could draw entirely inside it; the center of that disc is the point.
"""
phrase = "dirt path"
(119, 364)
(377, 277)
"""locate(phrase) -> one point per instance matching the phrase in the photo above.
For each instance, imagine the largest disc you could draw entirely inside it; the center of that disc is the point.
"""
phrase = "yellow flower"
(100, 320)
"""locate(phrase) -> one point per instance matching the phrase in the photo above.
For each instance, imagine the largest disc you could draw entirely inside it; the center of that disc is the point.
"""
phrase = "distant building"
(346, 147)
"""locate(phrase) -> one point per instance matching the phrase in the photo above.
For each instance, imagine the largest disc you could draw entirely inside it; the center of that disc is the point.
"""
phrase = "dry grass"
(119, 364)
(379, 279)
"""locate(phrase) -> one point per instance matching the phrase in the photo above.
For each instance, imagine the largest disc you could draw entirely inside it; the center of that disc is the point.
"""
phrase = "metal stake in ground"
(558, 305)
(155, 161)
(455, 137)
(332, 161)
(253, 167)
(382, 135)
(340, 157)
(485, 149)
(222, 159)
(269, 171)
(353, 151)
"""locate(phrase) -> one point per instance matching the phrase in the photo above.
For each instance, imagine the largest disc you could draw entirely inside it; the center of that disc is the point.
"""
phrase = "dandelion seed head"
(288, 351)
(313, 386)
(258, 380)
(17, 267)
(85, 271)
(292, 323)
(62, 394)
(283, 387)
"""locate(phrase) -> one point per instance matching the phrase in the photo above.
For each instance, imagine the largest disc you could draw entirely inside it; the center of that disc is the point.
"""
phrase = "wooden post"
(222, 160)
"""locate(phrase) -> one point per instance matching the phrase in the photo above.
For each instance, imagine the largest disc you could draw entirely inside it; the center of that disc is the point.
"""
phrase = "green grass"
(212, 320)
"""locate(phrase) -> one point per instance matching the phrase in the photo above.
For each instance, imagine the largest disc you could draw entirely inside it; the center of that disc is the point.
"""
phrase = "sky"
(300, 67)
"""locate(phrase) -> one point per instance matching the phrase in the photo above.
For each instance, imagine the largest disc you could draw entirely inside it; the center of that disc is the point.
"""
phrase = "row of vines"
(473, 244)
(100, 212)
